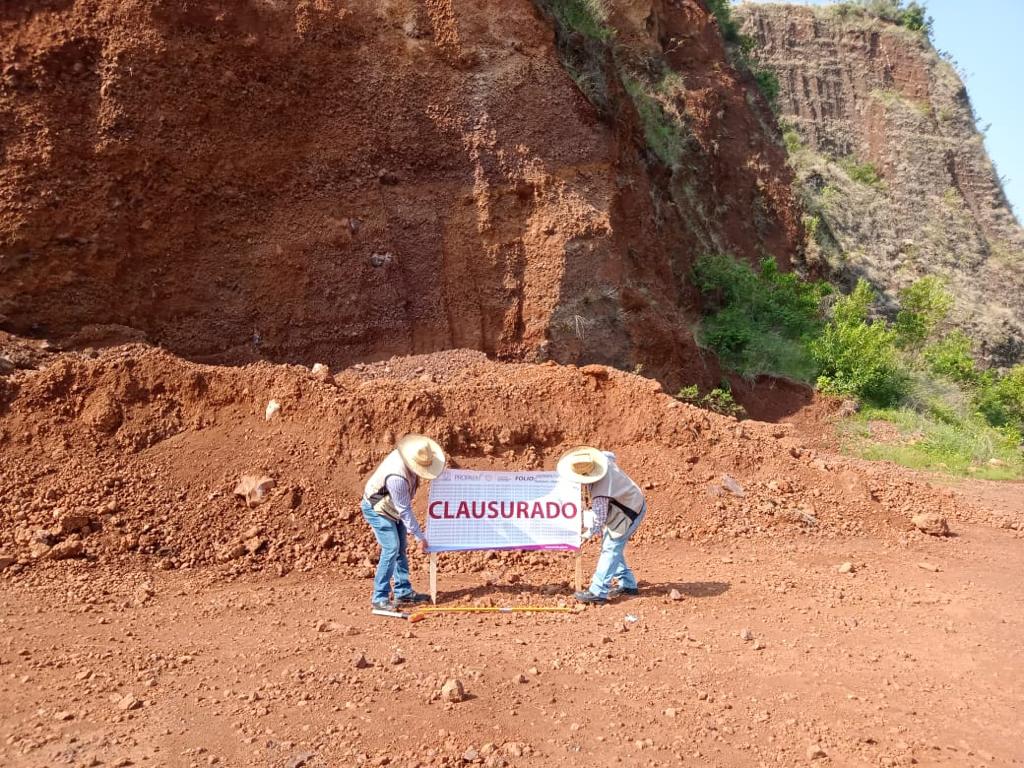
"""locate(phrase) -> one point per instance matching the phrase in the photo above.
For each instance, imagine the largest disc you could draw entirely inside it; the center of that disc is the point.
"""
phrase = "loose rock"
(360, 662)
(273, 408)
(931, 523)
(815, 752)
(128, 702)
(453, 691)
(254, 489)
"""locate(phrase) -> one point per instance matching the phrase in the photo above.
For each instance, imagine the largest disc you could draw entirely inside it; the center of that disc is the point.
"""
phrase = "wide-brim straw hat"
(422, 455)
(583, 465)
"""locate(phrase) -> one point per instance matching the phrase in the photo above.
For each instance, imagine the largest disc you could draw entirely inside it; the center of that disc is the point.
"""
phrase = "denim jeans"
(612, 562)
(393, 561)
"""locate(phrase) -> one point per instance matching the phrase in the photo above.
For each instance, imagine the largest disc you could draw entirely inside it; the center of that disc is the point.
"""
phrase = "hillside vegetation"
(916, 373)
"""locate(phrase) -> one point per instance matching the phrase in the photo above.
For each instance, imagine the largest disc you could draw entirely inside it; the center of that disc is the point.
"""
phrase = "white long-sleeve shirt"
(401, 496)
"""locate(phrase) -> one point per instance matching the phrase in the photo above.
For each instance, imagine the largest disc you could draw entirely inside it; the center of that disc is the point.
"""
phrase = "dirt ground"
(912, 658)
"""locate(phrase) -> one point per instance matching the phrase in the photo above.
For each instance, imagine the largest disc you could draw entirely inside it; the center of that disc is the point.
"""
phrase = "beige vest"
(376, 491)
(625, 499)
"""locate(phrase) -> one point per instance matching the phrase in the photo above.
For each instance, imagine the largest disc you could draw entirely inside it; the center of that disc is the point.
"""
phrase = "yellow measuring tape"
(423, 613)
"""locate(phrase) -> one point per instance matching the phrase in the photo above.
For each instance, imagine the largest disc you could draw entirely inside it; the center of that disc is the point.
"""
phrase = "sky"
(985, 40)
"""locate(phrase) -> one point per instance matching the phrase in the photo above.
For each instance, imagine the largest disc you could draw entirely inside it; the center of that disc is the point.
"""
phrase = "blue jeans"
(612, 562)
(393, 561)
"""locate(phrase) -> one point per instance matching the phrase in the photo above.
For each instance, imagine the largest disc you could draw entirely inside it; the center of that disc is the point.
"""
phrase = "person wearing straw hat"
(387, 507)
(618, 509)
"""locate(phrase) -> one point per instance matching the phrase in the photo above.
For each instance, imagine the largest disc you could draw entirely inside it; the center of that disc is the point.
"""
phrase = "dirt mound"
(137, 453)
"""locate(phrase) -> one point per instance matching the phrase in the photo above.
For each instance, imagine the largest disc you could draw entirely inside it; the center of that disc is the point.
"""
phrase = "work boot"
(383, 605)
(590, 598)
(629, 591)
(414, 598)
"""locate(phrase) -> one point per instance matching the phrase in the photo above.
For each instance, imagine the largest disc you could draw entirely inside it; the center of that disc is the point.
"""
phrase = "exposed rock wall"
(861, 91)
(344, 181)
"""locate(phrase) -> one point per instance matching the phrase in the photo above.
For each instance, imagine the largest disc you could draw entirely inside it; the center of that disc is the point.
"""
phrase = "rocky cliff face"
(343, 181)
(894, 174)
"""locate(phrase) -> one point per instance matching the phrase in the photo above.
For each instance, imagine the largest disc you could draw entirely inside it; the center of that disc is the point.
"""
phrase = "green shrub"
(857, 357)
(791, 138)
(586, 17)
(722, 9)
(719, 400)
(664, 130)
(951, 357)
(924, 306)
(759, 321)
(862, 173)
(768, 82)
(912, 15)
(1000, 399)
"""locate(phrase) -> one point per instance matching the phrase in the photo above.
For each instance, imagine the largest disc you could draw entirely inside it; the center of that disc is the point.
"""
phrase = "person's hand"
(422, 544)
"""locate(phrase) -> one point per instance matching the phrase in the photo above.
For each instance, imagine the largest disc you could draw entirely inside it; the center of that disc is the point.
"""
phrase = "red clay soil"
(892, 664)
(134, 455)
(331, 181)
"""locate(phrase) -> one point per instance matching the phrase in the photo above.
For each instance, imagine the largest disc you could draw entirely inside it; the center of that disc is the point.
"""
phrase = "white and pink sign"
(471, 510)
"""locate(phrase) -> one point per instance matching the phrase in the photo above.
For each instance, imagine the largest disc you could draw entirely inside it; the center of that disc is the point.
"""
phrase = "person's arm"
(600, 507)
(398, 489)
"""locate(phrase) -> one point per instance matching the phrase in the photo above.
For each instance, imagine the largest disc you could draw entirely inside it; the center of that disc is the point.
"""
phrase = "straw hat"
(422, 455)
(583, 465)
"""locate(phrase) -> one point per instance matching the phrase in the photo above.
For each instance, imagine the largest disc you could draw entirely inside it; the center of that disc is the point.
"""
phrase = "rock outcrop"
(894, 173)
(343, 181)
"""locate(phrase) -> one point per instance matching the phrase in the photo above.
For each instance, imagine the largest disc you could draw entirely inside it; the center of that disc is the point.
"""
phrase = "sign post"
(470, 510)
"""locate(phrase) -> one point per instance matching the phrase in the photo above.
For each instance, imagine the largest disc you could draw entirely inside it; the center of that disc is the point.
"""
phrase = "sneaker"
(414, 597)
(589, 597)
(631, 591)
(383, 605)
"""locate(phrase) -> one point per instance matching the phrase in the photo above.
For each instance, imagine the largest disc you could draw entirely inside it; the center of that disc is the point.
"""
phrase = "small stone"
(746, 635)
(254, 489)
(65, 550)
(815, 752)
(675, 594)
(470, 755)
(730, 484)
(670, 712)
(520, 679)
(128, 702)
(327, 540)
(453, 691)
(321, 371)
(300, 760)
(759, 645)
(928, 567)
(359, 661)
(273, 408)
(931, 523)
(64, 715)
(6, 561)
(254, 544)
(397, 658)
(513, 749)
(845, 568)
(74, 523)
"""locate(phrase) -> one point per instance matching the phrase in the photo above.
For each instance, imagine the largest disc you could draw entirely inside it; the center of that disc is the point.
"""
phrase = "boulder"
(453, 691)
(931, 523)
